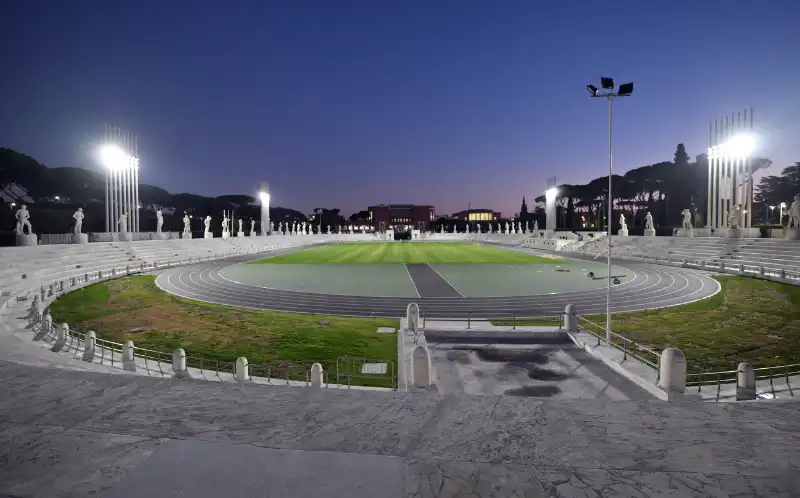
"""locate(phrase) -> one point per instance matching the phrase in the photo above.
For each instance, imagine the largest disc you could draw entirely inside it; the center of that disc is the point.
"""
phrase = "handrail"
(628, 347)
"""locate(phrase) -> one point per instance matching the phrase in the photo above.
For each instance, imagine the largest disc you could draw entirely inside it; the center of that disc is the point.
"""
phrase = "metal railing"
(628, 347)
(514, 320)
(718, 379)
(352, 367)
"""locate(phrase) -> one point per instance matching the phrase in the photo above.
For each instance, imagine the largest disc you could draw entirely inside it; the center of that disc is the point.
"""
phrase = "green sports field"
(409, 252)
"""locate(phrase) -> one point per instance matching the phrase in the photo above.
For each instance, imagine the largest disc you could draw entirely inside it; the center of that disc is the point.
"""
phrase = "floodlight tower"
(119, 155)
(264, 197)
(608, 93)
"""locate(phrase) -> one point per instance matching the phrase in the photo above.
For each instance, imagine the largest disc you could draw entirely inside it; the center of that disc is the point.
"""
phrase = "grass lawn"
(134, 308)
(749, 320)
(407, 252)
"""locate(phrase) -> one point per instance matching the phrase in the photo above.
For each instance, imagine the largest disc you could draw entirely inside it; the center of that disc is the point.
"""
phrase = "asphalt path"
(652, 286)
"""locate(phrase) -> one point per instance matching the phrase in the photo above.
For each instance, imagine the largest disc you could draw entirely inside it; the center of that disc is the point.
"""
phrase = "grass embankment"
(749, 320)
(398, 252)
(134, 308)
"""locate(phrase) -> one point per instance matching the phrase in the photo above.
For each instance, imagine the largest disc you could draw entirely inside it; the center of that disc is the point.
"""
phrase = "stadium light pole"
(122, 185)
(264, 197)
(609, 93)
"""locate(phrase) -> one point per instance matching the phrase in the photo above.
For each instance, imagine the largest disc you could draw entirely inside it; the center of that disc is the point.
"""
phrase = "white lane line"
(412, 280)
(448, 282)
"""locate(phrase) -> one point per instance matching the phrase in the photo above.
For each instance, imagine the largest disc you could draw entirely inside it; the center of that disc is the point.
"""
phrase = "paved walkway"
(74, 434)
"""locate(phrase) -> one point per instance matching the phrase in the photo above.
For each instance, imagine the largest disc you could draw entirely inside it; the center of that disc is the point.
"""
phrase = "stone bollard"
(421, 366)
(47, 322)
(672, 371)
(745, 382)
(86, 278)
(412, 317)
(782, 274)
(128, 358)
(73, 282)
(761, 271)
(179, 364)
(570, 318)
(240, 371)
(61, 338)
(316, 375)
(89, 346)
(127, 270)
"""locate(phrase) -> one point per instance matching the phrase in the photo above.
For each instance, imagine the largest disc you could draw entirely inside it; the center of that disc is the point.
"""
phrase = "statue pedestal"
(208, 235)
(252, 234)
(226, 235)
(80, 238)
(791, 234)
(623, 232)
(27, 239)
(125, 237)
(240, 234)
(160, 236)
(684, 232)
(734, 233)
(186, 235)
(649, 233)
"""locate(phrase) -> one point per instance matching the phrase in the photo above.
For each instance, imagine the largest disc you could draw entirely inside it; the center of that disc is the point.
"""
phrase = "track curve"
(653, 286)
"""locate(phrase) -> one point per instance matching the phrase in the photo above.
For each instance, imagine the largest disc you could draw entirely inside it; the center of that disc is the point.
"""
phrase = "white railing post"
(570, 318)
(89, 345)
(61, 337)
(317, 373)
(672, 371)
(421, 366)
(241, 370)
(128, 357)
(179, 363)
(745, 382)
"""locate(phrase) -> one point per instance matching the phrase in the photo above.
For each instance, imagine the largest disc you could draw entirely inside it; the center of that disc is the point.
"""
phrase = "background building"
(477, 215)
(384, 216)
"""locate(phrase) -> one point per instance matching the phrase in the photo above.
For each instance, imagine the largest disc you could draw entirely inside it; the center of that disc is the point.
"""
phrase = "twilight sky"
(345, 103)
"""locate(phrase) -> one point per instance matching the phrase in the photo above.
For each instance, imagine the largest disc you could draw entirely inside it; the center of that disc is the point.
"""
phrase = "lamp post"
(609, 93)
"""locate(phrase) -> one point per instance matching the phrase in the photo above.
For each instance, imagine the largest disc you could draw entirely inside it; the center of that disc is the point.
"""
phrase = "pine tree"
(524, 209)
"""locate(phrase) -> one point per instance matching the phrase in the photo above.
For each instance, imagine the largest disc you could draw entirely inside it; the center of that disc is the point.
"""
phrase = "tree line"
(664, 189)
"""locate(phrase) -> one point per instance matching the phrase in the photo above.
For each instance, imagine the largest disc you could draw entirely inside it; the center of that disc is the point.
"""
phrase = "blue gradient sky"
(349, 103)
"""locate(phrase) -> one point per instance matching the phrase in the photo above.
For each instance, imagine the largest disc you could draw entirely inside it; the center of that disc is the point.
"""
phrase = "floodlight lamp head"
(625, 89)
(550, 194)
(607, 83)
(264, 197)
(592, 89)
(740, 146)
(114, 158)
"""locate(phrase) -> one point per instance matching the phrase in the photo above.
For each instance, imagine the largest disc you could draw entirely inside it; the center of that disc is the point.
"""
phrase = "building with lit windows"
(386, 216)
(477, 215)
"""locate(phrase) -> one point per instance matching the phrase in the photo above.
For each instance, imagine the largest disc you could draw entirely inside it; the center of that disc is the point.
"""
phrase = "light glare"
(264, 197)
(114, 158)
(550, 194)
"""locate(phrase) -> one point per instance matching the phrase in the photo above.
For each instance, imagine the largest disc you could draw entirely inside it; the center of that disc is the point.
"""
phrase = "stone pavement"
(74, 434)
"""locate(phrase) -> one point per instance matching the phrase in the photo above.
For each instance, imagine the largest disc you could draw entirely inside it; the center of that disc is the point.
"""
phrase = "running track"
(653, 286)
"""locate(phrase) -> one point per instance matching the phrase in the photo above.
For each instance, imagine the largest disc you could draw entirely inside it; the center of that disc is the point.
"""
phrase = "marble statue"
(622, 224)
(225, 222)
(479, 229)
(507, 229)
(441, 228)
(207, 224)
(687, 219)
(329, 229)
(519, 227)
(78, 217)
(536, 227)
(648, 221)
(159, 221)
(271, 226)
(187, 228)
(467, 227)
(303, 229)
(454, 228)
(794, 213)
(252, 225)
(23, 217)
(123, 223)
(528, 226)
(733, 218)
(490, 228)
(241, 223)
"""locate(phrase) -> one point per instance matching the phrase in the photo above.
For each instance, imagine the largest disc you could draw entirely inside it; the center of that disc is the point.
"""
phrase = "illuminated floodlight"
(550, 194)
(592, 89)
(114, 158)
(741, 145)
(264, 197)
